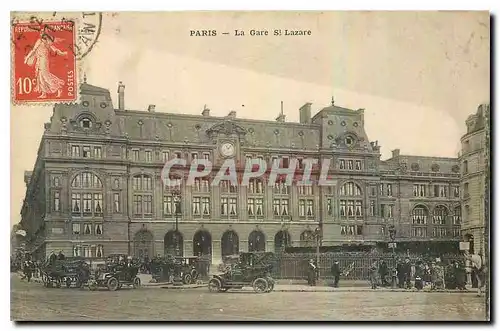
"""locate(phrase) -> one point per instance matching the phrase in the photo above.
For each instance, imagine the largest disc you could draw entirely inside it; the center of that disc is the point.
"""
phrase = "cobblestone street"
(34, 302)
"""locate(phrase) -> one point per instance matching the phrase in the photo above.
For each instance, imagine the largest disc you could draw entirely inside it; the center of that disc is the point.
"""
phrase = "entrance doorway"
(202, 243)
(230, 243)
(173, 243)
(256, 241)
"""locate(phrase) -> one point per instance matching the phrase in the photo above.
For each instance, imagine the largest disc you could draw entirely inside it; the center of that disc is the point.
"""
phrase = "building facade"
(96, 186)
(475, 178)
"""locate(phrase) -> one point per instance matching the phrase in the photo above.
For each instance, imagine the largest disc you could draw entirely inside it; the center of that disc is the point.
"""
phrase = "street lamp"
(317, 235)
(392, 236)
(176, 197)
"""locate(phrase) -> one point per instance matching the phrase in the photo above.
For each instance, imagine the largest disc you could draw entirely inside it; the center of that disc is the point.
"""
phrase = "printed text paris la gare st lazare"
(251, 32)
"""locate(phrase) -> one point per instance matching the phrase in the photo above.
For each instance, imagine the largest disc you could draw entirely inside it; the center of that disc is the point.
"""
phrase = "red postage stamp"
(44, 62)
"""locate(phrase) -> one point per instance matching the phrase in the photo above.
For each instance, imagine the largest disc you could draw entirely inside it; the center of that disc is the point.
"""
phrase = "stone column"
(216, 252)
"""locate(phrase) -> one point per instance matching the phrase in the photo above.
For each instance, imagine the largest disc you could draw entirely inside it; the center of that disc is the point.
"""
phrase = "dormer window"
(86, 123)
(349, 141)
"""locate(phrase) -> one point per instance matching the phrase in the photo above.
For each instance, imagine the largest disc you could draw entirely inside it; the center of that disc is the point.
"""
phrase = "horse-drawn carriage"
(118, 271)
(70, 271)
(251, 270)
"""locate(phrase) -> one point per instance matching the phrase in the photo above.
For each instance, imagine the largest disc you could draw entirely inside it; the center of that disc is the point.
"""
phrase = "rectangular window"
(373, 190)
(167, 206)
(443, 191)
(389, 190)
(57, 201)
(382, 210)
(359, 230)
(300, 163)
(137, 202)
(135, 155)
(358, 165)
(97, 204)
(98, 229)
(149, 156)
(466, 190)
(76, 228)
(148, 205)
(280, 187)
(280, 207)
(343, 230)
(343, 208)
(259, 206)
(302, 208)
(146, 183)
(116, 202)
(76, 203)
(359, 208)
(436, 190)
(456, 192)
(97, 152)
(285, 162)
(372, 208)
(224, 206)
(75, 151)
(194, 156)
(87, 228)
(381, 189)
(390, 211)
(206, 156)
(86, 152)
(205, 206)
(350, 208)
(342, 164)
(329, 206)
(164, 156)
(251, 206)
(87, 204)
(419, 190)
(196, 206)
(233, 209)
(350, 165)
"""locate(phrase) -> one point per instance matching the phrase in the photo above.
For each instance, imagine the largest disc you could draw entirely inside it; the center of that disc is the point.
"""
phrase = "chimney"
(232, 114)
(395, 153)
(151, 108)
(206, 111)
(305, 113)
(121, 96)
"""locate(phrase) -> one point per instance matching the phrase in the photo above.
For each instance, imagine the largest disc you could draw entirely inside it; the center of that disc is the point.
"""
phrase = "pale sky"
(417, 74)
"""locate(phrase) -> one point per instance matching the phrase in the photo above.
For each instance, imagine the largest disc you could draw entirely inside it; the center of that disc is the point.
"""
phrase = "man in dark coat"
(336, 273)
(311, 273)
(382, 271)
(407, 273)
(400, 273)
(460, 276)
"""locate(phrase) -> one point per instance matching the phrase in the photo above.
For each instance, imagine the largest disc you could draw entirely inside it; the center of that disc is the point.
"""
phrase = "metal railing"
(353, 265)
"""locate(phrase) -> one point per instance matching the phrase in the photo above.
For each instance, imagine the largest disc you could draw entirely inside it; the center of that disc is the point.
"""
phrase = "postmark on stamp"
(46, 48)
(44, 67)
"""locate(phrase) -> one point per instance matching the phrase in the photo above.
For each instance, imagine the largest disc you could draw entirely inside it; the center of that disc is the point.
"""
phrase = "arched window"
(86, 195)
(351, 201)
(440, 214)
(142, 186)
(419, 214)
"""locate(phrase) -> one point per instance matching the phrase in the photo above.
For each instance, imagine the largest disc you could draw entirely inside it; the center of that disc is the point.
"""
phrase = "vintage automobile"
(115, 275)
(251, 270)
(162, 268)
(185, 269)
(72, 270)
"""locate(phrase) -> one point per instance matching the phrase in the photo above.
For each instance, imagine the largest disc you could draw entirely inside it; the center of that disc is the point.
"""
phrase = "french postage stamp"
(44, 67)
(46, 50)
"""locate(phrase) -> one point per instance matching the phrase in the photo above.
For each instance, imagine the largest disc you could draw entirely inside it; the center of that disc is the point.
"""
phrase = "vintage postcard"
(250, 166)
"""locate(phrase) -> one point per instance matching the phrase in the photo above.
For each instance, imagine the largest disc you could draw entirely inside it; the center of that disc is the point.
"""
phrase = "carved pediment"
(227, 127)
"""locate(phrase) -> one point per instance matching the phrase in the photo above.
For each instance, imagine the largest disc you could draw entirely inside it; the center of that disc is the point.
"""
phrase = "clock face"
(227, 149)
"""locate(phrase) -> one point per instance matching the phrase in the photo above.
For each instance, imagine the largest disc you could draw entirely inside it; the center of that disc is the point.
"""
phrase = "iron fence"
(353, 266)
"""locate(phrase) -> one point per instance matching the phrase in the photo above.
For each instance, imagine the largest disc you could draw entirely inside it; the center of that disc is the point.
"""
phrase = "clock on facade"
(227, 149)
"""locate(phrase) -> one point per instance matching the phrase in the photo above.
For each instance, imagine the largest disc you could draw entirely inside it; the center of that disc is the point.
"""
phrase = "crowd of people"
(403, 274)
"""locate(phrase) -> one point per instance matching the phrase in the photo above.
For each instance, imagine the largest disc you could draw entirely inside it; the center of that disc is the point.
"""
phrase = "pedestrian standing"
(400, 271)
(374, 274)
(311, 274)
(407, 273)
(383, 270)
(336, 273)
